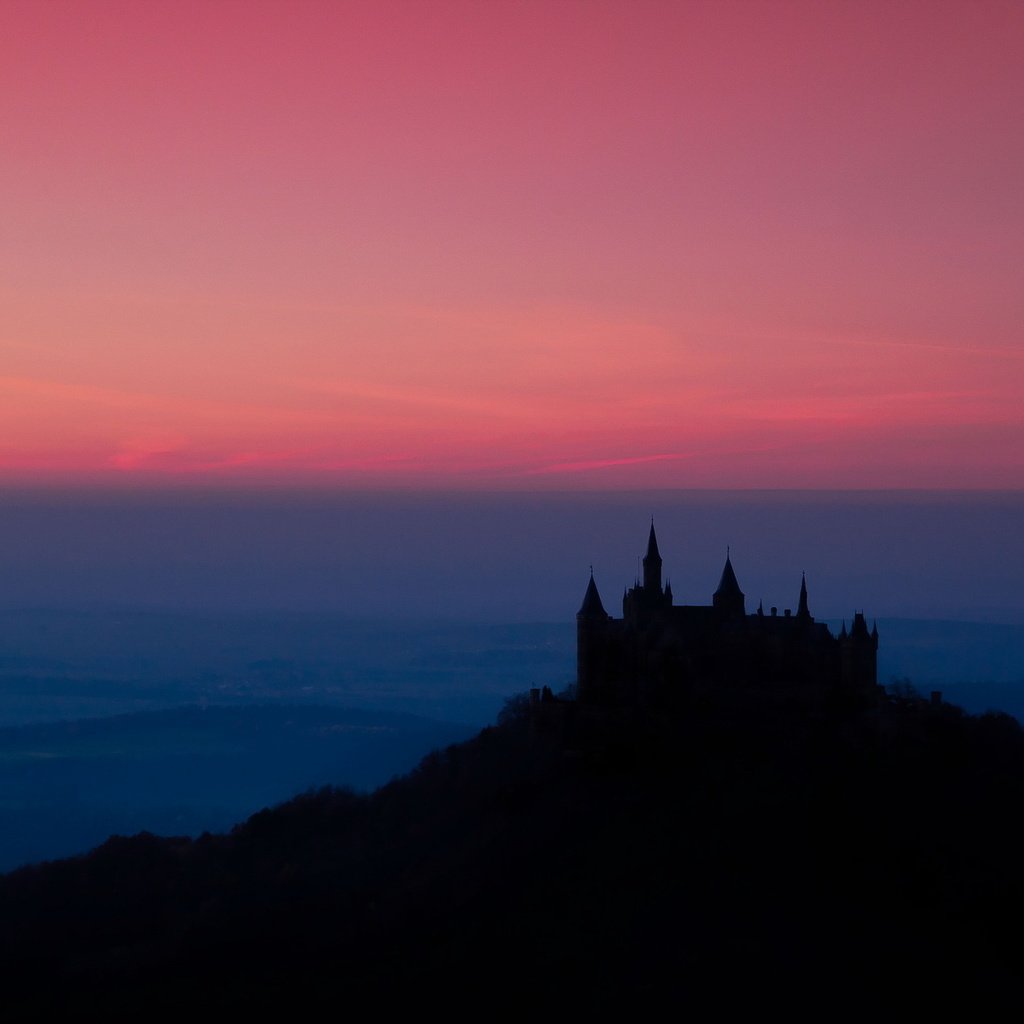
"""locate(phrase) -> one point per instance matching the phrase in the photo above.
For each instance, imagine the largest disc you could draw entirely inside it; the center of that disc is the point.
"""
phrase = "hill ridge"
(648, 856)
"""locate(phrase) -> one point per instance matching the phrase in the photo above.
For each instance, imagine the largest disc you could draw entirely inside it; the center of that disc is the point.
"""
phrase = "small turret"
(728, 598)
(592, 607)
(593, 654)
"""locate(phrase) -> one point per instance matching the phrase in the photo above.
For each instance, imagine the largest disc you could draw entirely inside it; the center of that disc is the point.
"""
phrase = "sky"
(504, 556)
(496, 245)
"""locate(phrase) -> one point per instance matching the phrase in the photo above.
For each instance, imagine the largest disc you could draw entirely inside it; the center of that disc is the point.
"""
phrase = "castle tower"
(648, 597)
(593, 648)
(728, 599)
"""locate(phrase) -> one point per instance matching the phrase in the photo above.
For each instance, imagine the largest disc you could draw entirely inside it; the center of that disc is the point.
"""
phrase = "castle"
(659, 652)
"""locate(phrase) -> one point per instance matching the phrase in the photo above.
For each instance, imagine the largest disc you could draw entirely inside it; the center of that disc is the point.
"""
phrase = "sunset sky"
(528, 245)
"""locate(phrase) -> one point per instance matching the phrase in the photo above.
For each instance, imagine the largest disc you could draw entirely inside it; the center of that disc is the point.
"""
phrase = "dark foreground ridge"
(778, 858)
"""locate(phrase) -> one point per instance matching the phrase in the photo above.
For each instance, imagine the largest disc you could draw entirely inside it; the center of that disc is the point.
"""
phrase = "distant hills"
(979, 665)
(85, 664)
(60, 665)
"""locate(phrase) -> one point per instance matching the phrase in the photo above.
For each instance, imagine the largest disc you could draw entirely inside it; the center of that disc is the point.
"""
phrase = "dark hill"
(775, 859)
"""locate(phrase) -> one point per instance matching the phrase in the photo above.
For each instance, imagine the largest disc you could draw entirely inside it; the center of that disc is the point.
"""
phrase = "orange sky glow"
(512, 245)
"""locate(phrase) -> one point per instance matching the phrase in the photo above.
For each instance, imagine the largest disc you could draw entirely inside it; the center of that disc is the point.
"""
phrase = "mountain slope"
(579, 861)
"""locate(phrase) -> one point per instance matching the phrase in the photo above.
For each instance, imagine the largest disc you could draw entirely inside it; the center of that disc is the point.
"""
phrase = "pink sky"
(528, 245)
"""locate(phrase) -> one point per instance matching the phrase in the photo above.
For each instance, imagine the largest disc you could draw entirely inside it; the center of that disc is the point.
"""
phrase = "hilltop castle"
(660, 652)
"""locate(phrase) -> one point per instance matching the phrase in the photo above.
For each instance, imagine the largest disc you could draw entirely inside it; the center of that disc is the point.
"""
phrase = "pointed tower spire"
(592, 607)
(652, 564)
(652, 543)
(728, 598)
(802, 611)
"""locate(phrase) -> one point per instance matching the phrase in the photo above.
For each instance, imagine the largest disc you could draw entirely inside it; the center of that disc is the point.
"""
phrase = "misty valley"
(179, 724)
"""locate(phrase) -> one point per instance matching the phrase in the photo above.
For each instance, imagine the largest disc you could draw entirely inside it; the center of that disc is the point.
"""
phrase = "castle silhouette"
(658, 651)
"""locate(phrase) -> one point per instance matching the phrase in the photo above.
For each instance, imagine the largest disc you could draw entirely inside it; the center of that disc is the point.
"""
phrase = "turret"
(593, 628)
(728, 598)
(592, 607)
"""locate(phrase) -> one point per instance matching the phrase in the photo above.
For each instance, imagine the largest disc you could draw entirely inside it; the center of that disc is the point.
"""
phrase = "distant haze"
(510, 558)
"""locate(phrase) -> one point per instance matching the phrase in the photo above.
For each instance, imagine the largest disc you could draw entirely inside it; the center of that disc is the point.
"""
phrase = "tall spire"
(652, 564)
(652, 543)
(802, 611)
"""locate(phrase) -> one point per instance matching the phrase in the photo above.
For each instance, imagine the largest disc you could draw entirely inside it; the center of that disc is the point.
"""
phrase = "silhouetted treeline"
(575, 860)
